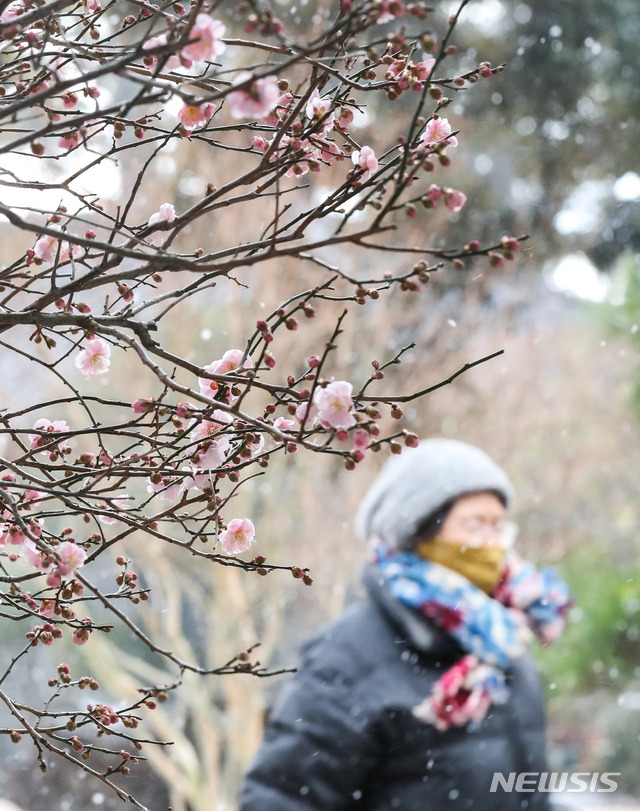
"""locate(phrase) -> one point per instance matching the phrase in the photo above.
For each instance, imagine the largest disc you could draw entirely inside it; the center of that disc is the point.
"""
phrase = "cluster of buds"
(44, 633)
(301, 574)
(406, 74)
(104, 714)
(264, 22)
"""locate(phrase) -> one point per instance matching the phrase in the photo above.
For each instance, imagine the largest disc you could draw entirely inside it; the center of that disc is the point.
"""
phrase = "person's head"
(470, 520)
(441, 500)
(469, 535)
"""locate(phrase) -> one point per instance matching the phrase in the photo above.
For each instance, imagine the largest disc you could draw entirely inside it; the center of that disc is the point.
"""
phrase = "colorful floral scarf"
(493, 630)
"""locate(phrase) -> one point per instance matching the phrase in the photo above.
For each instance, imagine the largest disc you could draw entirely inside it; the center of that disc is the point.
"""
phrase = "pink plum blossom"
(13, 535)
(32, 495)
(212, 452)
(199, 480)
(45, 441)
(167, 213)
(94, 359)
(345, 119)
(209, 33)
(69, 101)
(91, 6)
(228, 363)
(388, 10)
(71, 557)
(409, 74)
(283, 424)
(238, 536)
(47, 608)
(365, 158)
(173, 62)
(335, 405)
(256, 100)
(46, 248)
(306, 414)
(192, 116)
(71, 140)
(34, 557)
(454, 200)
(12, 11)
(167, 487)
(280, 108)
(80, 635)
(320, 108)
(438, 131)
(360, 440)
(142, 406)
(116, 505)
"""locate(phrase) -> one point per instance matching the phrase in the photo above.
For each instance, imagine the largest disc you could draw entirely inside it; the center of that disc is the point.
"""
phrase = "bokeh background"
(548, 148)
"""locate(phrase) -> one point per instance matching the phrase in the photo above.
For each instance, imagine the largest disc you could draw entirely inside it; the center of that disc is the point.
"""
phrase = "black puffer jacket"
(342, 736)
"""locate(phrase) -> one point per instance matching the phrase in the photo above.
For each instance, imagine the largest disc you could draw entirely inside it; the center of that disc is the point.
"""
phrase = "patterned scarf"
(493, 630)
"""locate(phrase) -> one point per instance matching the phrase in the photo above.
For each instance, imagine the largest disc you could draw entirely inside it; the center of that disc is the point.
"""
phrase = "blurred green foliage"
(621, 312)
(601, 644)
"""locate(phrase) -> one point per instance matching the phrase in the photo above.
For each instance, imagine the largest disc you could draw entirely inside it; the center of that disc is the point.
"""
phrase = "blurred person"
(416, 697)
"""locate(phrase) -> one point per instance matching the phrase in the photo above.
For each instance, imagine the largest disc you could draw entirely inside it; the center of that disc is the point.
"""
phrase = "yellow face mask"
(481, 565)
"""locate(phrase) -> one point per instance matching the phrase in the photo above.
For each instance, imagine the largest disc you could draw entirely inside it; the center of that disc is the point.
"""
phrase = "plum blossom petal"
(335, 405)
(454, 200)
(116, 505)
(257, 100)
(46, 441)
(34, 557)
(238, 536)
(388, 10)
(283, 424)
(71, 557)
(307, 414)
(319, 108)
(438, 131)
(199, 480)
(167, 213)
(209, 33)
(173, 62)
(12, 11)
(365, 158)
(13, 535)
(192, 116)
(46, 248)
(166, 487)
(94, 358)
(230, 362)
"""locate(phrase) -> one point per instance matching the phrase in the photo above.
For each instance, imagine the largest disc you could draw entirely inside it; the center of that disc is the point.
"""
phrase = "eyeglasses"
(479, 533)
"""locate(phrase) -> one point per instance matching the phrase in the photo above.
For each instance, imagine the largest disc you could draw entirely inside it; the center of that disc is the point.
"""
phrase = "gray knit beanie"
(417, 482)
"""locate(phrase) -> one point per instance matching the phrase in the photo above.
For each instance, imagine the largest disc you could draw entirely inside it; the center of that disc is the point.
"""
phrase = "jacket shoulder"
(362, 640)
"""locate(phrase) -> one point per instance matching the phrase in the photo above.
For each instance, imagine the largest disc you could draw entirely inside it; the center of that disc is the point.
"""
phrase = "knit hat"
(416, 483)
